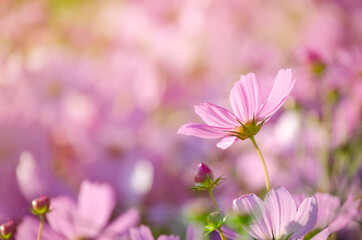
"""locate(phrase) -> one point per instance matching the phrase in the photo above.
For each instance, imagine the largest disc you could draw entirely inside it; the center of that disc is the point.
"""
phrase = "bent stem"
(263, 162)
(217, 209)
(41, 226)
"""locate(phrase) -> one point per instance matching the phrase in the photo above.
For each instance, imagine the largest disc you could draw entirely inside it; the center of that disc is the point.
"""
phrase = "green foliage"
(214, 221)
(239, 223)
(311, 234)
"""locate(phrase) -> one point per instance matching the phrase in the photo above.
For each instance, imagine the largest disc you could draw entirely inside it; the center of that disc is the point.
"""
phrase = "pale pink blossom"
(249, 111)
(278, 216)
(87, 219)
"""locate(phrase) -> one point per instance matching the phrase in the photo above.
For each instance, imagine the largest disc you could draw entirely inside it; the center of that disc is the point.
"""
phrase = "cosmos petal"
(245, 97)
(305, 218)
(327, 209)
(282, 209)
(203, 130)
(282, 86)
(252, 205)
(95, 205)
(347, 213)
(226, 142)
(171, 237)
(216, 116)
(120, 225)
(28, 229)
(61, 216)
(141, 233)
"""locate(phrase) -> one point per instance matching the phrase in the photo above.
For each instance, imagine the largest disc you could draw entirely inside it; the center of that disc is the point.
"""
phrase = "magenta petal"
(141, 233)
(226, 142)
(252, 205)
(203, 130)
(60, 218)
(305, 218)
(120, 225)
(216, 116)
(95, 205)
(282, 86)
(282, 209)
(245, 97)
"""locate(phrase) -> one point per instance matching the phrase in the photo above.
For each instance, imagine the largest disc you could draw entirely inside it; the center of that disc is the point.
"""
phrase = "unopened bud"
(41, 205)
(7, 229)
(203, 173)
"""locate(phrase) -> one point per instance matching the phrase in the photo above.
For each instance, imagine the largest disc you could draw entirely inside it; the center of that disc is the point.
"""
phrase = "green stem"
(221, 234)
(213, 200)
(263, 162)
(41, 226)
(217, 209)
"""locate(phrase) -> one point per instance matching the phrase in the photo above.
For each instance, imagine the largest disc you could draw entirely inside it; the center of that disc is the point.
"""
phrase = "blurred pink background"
(97, 89)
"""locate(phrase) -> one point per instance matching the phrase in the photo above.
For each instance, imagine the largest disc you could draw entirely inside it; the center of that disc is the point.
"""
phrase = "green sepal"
(290, 234)
(7, 236)
(39, 212)
(208, 184)
(208, 229)
(247, 130)
(312, 233)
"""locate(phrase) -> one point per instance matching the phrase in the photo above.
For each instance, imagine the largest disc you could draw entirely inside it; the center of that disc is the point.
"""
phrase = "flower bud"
(7, 229)
(203, 173)
(41, 205)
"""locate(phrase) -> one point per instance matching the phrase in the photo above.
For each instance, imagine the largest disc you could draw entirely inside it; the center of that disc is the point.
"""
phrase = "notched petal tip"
(250, 76)
(283, 84)
(305, 219)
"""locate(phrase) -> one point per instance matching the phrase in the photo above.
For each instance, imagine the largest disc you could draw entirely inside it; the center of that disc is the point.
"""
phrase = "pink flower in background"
(278, 216)
(83, 220)
(144, 233)
(249, 113)
(333, 217)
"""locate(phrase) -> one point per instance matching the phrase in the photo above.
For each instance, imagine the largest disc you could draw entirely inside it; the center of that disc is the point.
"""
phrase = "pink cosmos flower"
(249, 113)
(86, 219)
(278, 216)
